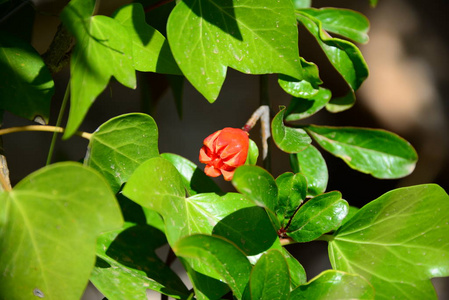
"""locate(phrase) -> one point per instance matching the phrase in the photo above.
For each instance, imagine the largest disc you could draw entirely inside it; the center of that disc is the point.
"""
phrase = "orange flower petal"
(227, 175)
(204, 158)
(211, 171)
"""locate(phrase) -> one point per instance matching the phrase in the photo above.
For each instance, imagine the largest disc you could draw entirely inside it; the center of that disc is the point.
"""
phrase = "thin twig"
(4, 174)
(45, 128)
(156, 5)
(264, 99)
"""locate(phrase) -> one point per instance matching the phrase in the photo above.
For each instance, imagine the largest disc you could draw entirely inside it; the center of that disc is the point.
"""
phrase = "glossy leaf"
(253, 153)
(377, 152)
(120, 145)
(218, 255)
(300, 108)
(297, 272)
(194, 179)
(206, 37)
(292, 192)
(127, 265)
(256, 184)
(318, 216)
(151, 52)
(335, 285)
(312, 165)
(54, 230)
(398, 242)
(182, 216)
(269, 278)
(351, 212)
(347, 23)
(302, 3)
(288, 139)
(307, 87)
(26, 84)
(103, 49)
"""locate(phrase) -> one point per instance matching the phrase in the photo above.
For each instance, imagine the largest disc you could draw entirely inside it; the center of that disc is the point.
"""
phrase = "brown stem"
(46, 128)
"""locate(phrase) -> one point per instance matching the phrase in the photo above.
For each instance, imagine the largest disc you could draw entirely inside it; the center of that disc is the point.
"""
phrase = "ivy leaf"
(332, 284)
(256, 184)
(312, 165)
(55, 230)
(127, 265)
(345, 22)
(120, 145)
(343, 55)
(208, 36)
(103, 49)
(377, 152)
(194, 180)
(300, 108)
(151, 52)
(26, 84)
(269, 278)
(292, 192)
(288, 139)
(218, 255)
(406, 228)
(318, 216)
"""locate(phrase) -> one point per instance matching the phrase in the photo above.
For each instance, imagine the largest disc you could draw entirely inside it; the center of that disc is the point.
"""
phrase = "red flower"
(224, 151)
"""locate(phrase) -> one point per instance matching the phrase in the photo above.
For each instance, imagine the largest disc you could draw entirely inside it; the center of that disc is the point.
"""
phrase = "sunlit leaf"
(288, 139)
(26, 85)
(49, 224)
(377, 152)
(206, 37)
(307, 87)
(397, 242)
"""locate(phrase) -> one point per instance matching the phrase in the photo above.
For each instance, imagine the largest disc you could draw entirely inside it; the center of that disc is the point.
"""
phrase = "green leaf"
(120, 145)
(406, 228)
(151, 52)
(312, 165)
(253, 153)
(103, 49)
(297, 272)
(127, 265)
(166, 195)
(305, 88)
(49, 224)
(256, 184)
(343, 55)
(373, 3)
(270, 278)
(206, 37)
(302, 3)
(351, 212)
(318, 216)
(377, 152)
(300, 108)
(292, 192)
(194, 180)
(347, 23)
(332, 284)
(340, 104)
(26, 84)
(288, 139)
(218, 255)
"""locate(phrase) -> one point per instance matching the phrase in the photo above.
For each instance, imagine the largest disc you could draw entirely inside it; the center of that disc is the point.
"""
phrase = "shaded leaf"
(317, 216)
(253, 153)
(406, 228)
(55, 230)
(26, 85)
(297, 272)
(312, 165)
(218, 255)
(151, 52)
(269, 278)
(377, 152)
(120, 145)
(103, 49)
(292, 192)
(288, 139)
(206, 37)
(345, 22)
(335, 285)
(300, 108)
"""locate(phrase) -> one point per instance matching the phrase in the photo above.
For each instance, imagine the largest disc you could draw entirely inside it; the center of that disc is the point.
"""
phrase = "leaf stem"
(264, 99)
(46, 128)
(58, 123)
(4, 179)
(286, 241)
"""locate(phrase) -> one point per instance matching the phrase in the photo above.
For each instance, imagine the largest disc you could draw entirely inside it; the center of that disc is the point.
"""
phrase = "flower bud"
(224, 151)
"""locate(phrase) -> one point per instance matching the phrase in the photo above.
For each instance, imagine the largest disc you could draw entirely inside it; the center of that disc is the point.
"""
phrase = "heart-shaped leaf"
(120, 145)
(398, 242)
(288, 139)
(26, 83)
(207, 36)
(335, 285)
(103, 49)
(312, 165)
(53, 218)
(318, 216)
(377, 152)
(292, 192)
(269, 278)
